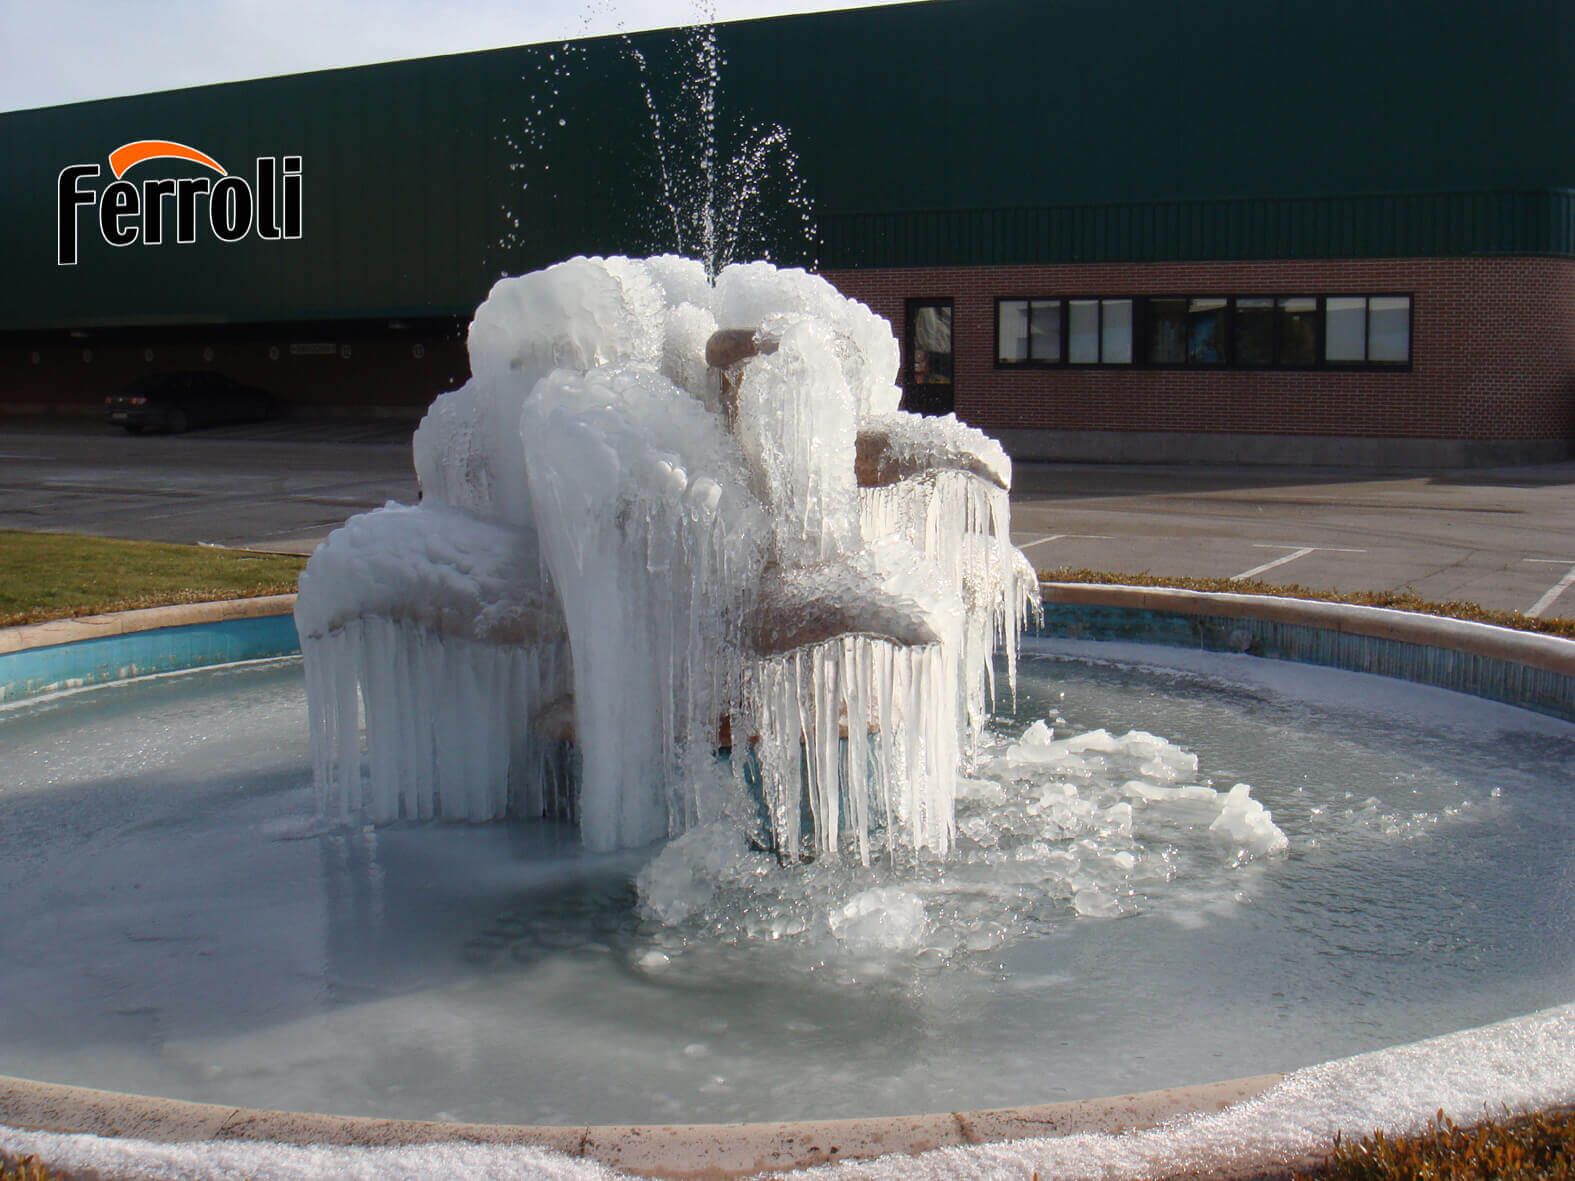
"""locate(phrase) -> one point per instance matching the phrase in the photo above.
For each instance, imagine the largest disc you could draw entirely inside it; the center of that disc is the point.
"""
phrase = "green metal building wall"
(953, 131)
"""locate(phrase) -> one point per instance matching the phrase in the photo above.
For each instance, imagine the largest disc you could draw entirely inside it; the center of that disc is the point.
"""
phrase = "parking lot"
(278, 485)
(1503, 537)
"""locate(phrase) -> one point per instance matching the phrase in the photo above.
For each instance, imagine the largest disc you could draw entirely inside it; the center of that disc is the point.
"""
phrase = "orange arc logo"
(129, 155)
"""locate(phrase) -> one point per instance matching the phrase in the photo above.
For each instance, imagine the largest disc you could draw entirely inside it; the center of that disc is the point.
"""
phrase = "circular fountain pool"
(178, 922)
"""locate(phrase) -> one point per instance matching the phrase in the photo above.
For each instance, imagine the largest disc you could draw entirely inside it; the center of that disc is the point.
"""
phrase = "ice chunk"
(748, 295)
(436, 567)
(1159, 794)
(681, 281)
(1248, 825)
(575, 315)
(884, 919)
(898, 445)
(797, 425)
(1038, 734)
(688, 329)
(1093, 903)
(682, 878)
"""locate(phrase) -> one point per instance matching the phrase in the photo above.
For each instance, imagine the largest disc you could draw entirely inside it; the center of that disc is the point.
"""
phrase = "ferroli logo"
(129, 213)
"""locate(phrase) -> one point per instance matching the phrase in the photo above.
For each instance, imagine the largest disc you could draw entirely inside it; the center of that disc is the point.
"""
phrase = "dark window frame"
(1142, 322)
(1366, 364)
(1320, 330)
(1274, 334)
(1065, 325)
(1031, 362)
(1099, 331)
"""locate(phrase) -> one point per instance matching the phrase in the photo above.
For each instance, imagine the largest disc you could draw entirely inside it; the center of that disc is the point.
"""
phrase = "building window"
(1167, 331)
(1187, 331)
(1367, 330)
(1100, 332)
(1206, 330)
(1252, 340)
(1389, 329)
(1115, 333)
(1028, 331)
(927, 365)
(1063, 332)
(1296, 322)
(1345, 329)
(930, 342)
(1083, 332)
(1274, 330)
(1217, 331)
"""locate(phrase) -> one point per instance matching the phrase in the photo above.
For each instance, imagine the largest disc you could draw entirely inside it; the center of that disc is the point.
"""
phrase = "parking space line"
(1297, 552)
(1554, 591)
(1062, 537)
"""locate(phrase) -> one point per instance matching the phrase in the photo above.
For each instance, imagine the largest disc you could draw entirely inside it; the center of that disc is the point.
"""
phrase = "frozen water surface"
(1115, 914)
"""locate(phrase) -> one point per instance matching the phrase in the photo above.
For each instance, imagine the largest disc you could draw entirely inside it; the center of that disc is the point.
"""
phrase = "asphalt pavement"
(282, 485)
(1502, 537)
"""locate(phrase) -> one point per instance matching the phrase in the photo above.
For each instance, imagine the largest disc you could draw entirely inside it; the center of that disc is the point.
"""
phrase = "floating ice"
(885, 918)
(625, 550)
(1089, 826)
(1246, 823)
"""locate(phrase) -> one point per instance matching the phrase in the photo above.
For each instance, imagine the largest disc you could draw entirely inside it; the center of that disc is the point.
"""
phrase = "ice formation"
(664, 516)
(1096, 824)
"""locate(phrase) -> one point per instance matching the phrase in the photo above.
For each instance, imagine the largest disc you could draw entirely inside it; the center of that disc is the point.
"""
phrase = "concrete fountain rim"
(724, 1150)
(688, 1150)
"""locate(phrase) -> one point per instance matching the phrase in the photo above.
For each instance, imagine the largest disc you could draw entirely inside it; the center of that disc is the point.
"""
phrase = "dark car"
(179, 401)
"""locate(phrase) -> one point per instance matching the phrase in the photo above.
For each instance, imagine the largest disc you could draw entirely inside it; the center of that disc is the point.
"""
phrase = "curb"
(121, 623)
(37, 660)
(1534, 649)
(695, 1150)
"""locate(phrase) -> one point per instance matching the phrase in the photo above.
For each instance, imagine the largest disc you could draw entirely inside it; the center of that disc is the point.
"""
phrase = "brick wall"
(1493, 350)
(351, 369)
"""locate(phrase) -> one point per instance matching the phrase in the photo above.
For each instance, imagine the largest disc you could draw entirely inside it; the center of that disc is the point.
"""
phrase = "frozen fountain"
(712, 631)
(668, 516)
(667, 519)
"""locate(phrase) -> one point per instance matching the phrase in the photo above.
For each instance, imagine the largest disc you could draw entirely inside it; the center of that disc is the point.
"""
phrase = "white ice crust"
(1521, 1064)
(642, 555)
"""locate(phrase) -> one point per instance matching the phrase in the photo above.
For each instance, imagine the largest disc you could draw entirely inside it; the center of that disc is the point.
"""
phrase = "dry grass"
(22, 1168)
(1539, 1146)
(47, 576)
(1398, 600)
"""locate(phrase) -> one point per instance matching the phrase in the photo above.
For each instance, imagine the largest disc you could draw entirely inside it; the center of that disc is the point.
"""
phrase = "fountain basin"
(1523, 669)
(360, 900)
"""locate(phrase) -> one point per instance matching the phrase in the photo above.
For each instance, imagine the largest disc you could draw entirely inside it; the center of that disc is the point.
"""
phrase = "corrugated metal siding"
(1399, 225)
(948, 131)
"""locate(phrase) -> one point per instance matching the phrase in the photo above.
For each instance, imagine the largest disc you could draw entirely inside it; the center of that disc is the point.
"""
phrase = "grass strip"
(1399, 600)
(46, 576)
